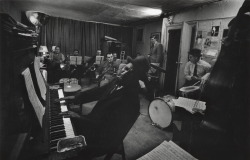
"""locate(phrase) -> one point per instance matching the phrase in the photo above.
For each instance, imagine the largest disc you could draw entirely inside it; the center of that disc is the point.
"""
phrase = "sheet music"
(99, 59)
(190, 104)
(38, 107)
(168, 150)
(75, 60)
(40, 80)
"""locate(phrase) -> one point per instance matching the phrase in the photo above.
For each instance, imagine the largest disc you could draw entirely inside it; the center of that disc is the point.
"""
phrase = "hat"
(195, 52)
(140, 63)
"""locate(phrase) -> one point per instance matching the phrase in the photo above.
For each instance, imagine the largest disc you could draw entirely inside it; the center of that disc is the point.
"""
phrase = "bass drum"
(160, 111)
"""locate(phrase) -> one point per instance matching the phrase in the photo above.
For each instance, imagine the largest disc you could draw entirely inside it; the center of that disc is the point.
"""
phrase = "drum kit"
(160, 111)
(161, 108)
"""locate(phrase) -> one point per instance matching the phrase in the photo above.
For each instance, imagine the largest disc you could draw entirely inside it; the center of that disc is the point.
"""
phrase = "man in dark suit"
(156, 52)
(155, 58)
(115, 112)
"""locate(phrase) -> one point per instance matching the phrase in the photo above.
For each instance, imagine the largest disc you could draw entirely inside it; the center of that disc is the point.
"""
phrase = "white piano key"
(64, 108)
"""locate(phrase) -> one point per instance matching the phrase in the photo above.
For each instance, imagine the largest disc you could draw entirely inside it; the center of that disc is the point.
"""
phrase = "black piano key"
(57, 135)
(57, 128)
(56, 116)
(56, 123)
(56, 120)
(53, 143)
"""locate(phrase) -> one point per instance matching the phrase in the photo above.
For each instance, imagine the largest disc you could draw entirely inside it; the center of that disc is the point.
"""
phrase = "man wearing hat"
(115, 112)
(196, 69)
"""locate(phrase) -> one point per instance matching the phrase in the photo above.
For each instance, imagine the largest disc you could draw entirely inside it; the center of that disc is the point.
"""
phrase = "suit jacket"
(156, 55)
(111, 118)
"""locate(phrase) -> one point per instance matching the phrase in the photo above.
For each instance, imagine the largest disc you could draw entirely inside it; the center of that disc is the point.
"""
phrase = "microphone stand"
(70, 75)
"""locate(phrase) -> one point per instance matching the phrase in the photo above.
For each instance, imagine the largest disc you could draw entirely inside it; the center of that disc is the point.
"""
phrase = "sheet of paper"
(37, 105)
(39, 77)
(75, 60)
(72, 60)
(79, 60)
(167, 150)
(99, 59)
(190, 104)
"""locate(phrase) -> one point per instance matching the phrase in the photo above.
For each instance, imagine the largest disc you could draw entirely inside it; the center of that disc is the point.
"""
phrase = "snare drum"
(190, 91)
(160, 111)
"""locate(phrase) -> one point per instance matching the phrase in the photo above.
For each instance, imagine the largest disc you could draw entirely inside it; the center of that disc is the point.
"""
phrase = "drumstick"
(196, 83)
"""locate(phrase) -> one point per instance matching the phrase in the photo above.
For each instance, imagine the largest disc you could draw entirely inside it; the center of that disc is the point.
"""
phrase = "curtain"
(87, 37)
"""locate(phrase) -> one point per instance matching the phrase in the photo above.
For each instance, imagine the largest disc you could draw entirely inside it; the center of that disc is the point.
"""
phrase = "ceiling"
(120, 12)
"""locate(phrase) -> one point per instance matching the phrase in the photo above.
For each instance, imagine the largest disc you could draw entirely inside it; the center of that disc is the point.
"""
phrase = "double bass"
(223, 132)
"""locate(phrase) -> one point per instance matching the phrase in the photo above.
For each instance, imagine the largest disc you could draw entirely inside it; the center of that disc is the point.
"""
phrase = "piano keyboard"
(59, 126)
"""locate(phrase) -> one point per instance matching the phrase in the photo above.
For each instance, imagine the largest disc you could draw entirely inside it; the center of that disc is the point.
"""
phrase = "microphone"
(71, 73)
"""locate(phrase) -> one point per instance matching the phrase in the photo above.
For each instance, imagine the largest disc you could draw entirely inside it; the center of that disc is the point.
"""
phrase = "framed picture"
(157, 36)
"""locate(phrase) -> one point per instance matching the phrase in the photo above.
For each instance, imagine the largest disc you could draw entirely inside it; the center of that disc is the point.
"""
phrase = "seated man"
(107, 70)
(196, 69)
(115, 112)
(76, 68)
(55, 66)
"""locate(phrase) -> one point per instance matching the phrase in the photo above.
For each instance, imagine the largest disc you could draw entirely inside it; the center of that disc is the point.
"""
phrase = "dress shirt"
(202, 68)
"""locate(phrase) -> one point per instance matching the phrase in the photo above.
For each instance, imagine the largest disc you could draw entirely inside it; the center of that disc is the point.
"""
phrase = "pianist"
(114, 114)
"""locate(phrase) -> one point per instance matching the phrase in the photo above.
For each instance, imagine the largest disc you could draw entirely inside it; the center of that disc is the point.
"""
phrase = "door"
(183, 56)
(174, 36)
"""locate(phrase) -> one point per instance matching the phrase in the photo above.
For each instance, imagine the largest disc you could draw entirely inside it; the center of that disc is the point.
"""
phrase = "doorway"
(174, 36)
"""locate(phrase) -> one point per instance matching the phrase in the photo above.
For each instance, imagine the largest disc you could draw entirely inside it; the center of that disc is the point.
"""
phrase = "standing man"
(155, 58)
(156, 53)
(196, 69)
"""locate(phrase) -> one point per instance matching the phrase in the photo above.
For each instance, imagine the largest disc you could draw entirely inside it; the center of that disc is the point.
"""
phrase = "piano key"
(60, 127)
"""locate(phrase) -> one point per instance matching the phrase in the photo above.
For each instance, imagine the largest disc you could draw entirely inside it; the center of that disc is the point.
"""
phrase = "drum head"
(160, 113)
(189, 88)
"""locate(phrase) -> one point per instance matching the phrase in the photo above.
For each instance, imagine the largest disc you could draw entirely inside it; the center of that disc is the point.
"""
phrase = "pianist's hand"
(69, 98)
(70, 114)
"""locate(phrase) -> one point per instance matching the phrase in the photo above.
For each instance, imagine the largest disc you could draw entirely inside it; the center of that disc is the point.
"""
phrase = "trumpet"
(93, 67)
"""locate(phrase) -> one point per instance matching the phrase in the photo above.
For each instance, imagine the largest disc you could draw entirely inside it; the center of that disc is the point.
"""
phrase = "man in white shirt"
(196, 69)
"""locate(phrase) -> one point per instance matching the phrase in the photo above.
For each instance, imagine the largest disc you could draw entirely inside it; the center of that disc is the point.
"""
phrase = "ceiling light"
(152, 11)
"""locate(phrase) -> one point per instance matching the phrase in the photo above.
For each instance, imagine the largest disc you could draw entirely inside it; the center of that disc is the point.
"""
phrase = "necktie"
(195, 70)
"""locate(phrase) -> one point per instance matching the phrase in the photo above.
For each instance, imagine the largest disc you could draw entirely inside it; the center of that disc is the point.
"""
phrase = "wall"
(207, 16)
(143, 47)
(214, 14)
(11, 9)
